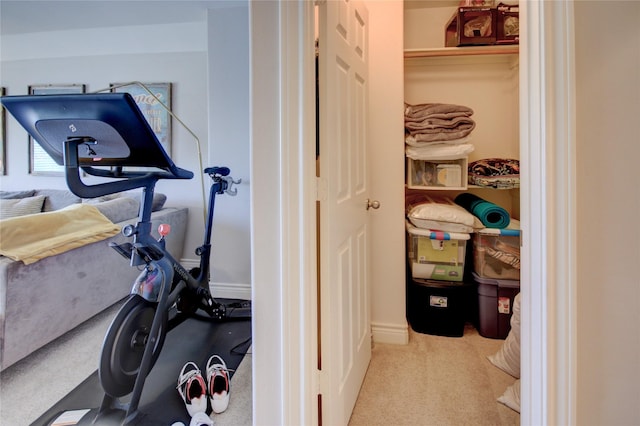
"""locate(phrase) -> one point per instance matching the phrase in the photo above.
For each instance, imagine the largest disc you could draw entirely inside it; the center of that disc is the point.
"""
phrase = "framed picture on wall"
(40, 163)
(3, 151)
(155, 107)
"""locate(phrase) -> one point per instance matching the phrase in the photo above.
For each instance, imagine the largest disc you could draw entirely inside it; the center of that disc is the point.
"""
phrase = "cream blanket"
(33, 237)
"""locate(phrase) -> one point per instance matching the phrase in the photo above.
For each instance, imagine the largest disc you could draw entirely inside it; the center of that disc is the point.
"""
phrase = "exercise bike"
(163, 296)
(101, 135)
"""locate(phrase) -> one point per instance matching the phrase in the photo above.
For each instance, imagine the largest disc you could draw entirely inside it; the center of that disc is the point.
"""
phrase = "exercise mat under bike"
(192, 340)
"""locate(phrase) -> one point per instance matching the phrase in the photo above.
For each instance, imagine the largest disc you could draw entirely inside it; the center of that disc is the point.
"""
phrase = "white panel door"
(344, 224)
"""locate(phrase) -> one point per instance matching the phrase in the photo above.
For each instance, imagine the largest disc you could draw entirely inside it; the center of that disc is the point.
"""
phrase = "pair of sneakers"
(196, 393)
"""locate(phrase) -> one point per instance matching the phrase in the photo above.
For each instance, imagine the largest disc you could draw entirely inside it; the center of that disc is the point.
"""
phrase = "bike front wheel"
(124, 345)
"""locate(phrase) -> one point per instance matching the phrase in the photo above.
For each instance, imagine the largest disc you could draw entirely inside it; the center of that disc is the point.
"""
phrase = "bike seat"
(222, 171)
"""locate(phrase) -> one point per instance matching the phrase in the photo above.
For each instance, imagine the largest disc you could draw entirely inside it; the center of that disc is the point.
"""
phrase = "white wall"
(229, 124)
(180, 53)
(386, 173)
(608, 197)
(419, 31)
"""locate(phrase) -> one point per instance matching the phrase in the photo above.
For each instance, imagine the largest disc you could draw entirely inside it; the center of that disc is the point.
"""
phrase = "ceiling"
(28, 16)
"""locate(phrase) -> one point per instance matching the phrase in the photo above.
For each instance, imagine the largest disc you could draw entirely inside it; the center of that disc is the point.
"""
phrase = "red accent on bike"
(164, 229)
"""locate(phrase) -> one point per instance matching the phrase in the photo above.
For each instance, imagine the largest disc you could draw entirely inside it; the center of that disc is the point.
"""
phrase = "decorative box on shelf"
(437, 174)
(471, 26)
(507, 24)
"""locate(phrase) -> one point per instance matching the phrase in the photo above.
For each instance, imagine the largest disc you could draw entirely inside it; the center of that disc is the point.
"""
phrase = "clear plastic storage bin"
(436, 255)
(496, 252)
(437, 174)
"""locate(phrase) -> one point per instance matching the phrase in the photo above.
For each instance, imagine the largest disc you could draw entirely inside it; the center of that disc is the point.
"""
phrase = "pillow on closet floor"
(511, 396)
(508, 357)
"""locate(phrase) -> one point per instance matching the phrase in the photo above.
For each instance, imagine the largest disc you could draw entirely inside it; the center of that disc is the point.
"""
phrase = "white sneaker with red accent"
(192, 389)
(218, 384)
(201, 419)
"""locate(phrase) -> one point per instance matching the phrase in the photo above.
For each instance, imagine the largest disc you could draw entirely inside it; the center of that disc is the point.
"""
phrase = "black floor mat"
(196, 339)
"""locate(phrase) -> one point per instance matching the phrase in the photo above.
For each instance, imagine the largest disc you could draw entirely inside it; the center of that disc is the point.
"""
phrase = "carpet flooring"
(62, 376)
(434, 380)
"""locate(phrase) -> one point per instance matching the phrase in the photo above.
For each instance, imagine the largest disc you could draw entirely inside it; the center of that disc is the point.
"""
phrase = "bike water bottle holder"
(149, 283)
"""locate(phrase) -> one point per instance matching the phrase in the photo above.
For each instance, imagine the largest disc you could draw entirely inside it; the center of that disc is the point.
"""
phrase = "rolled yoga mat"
(491, 215)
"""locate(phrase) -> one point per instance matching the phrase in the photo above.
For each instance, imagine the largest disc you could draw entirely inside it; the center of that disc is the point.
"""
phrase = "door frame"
(283, 193)
(548, 213)
(283, 212)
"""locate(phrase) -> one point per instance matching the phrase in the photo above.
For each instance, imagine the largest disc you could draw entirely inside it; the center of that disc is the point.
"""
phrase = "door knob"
(373, 204)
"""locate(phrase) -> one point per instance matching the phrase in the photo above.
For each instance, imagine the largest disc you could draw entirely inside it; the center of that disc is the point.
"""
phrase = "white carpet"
(434, 380)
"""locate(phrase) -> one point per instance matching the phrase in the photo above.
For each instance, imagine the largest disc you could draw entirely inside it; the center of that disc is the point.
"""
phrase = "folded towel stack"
(437, 123)
(437, 137)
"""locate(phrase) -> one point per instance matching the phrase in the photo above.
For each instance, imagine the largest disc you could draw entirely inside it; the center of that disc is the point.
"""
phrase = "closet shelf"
(509, 49)
(470, 186)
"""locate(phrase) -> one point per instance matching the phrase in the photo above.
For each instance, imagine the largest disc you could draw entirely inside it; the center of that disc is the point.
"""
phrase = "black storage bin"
(495, 306)
(438, 307)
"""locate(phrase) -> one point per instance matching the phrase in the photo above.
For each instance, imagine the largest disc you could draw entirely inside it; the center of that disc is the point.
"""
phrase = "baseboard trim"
(230, 291)
(189, 264)
(222, 290)
(390, 333)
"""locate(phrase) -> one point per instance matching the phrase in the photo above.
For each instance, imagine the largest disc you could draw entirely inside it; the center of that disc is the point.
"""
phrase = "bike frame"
(142, 240)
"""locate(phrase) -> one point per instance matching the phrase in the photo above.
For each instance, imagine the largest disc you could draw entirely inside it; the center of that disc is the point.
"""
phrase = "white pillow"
(508, 356)
(443, 211)
(21, 206)
(511, 396)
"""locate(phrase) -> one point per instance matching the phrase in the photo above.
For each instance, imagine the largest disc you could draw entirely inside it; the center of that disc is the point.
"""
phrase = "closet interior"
(462, 171)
